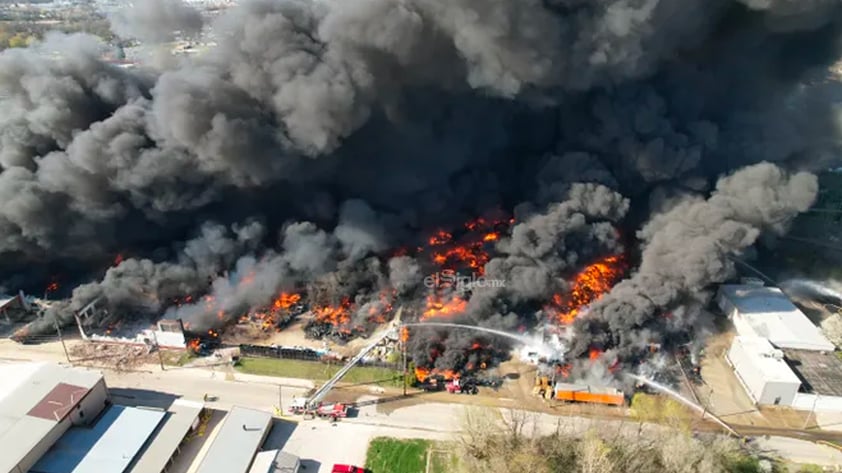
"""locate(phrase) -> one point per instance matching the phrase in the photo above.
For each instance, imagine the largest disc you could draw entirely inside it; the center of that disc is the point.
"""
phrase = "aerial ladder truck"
(312, 406)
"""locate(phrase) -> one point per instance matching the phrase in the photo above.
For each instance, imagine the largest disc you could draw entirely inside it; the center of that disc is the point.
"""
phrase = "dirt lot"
(725, 397)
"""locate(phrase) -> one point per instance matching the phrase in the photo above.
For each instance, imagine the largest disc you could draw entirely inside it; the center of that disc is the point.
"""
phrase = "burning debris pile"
(322, 159)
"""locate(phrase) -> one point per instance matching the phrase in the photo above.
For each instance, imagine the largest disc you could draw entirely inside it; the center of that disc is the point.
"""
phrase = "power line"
(813, 242)
(827, 211)
(752, 268)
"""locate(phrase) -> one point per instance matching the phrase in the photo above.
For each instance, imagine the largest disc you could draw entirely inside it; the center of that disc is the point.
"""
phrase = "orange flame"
(285, 301)
(594, 354)
(423, 373)
(588, 286)
(436, 308)
(194, 345)
(564, 370)
(118, 259)
(470, 249)
(404, 334)
(335, 315)
(379, 312)
(268, 317)
(52, 287)
(440, 238)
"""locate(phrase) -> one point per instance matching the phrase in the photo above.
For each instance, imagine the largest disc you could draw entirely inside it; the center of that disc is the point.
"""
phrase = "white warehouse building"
(778, 355)
(766, 312)
(762, 371)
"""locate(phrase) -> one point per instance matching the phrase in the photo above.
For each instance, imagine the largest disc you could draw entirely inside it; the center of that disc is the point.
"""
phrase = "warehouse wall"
(811, 402)
(751, 379)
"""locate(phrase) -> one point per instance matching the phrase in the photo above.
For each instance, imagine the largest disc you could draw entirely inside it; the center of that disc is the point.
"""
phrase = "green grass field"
(318, 371)
(386, 455)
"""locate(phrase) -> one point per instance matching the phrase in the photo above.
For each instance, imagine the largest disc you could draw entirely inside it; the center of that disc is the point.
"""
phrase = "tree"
(20, 40)
(595, 455)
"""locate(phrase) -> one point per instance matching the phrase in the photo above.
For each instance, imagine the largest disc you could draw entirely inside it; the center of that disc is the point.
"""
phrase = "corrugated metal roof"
(238, 439)
(57, 403)
(110, 445)
(25, 386)
(769, 313)
(180, 417)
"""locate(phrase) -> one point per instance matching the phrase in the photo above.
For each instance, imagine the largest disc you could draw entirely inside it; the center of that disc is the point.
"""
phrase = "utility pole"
(280, 399)
(61, 339)
(158, 349)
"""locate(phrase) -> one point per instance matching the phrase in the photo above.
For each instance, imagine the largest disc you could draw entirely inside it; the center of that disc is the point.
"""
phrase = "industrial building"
(275, 461)
(237, 441)
(766, 312)
(778, 355)
(39, 402)
(13, 308)
(762, 371)
(95, 322)
(56, 419)
(182, 417)
(110, 444)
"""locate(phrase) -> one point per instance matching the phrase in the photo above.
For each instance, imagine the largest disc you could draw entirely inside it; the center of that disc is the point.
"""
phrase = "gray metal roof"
(237, 441)
(820, 373)
(275, 461)
(24, 387)
(180, 417)
(110, 445)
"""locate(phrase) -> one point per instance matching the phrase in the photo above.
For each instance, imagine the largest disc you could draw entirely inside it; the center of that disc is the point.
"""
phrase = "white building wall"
(815, 402)
(91, 405)
(761, 386)
(778, 393)
(750, 377)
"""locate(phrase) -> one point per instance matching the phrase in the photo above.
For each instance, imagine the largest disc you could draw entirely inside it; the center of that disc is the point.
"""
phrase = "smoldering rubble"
(319, 144)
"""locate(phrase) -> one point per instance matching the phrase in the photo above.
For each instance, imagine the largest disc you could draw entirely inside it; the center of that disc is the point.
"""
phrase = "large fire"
(437, 307)
(470, 249)
(285, 301)
(338, 315)
(588, 286)
(422, 374)
(273, 316)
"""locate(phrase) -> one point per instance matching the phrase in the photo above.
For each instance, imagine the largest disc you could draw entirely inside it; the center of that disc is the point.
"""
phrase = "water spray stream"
(518, 338)
(666, 390)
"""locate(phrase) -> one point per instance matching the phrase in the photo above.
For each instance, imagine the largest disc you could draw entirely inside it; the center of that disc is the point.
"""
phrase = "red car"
(348, 469)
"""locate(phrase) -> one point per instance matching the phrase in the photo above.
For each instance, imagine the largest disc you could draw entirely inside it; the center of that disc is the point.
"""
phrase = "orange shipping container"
(584, 396)
(584, 393)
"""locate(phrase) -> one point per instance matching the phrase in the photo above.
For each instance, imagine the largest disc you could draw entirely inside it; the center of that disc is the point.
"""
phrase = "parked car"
(348, 469)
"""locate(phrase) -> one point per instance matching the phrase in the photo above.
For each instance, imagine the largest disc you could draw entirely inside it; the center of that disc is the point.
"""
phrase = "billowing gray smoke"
(157, 21)
(352, 128)
(685, 250)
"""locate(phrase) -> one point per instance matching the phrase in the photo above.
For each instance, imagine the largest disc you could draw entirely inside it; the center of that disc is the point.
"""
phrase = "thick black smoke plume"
(349, 129)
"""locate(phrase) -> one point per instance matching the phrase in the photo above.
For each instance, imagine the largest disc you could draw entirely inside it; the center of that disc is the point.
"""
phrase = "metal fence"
(305, 354)
(264, 351)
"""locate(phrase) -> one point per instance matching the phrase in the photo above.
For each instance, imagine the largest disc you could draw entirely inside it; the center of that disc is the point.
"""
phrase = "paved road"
(348, 439)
